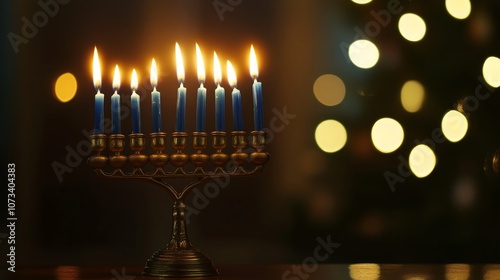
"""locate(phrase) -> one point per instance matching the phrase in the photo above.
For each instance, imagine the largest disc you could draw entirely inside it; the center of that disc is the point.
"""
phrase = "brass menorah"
(179, 258)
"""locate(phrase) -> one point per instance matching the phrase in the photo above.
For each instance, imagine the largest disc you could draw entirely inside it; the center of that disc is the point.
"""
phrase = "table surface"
(308, 271)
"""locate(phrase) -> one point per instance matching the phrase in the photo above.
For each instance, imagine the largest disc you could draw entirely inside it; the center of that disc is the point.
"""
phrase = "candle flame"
(217, 70)
(231, 75)
(180, 64)
(116, 79)
(96, 70)
(154, 74)
(254, 70)
(201, 65)
(135, 81)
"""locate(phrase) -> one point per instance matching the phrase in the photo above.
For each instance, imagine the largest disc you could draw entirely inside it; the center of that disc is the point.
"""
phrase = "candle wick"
(154, 88)
(201, 85)
(254, 79)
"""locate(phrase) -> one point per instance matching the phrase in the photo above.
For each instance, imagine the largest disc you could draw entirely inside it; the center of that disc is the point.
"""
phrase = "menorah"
(179, 258)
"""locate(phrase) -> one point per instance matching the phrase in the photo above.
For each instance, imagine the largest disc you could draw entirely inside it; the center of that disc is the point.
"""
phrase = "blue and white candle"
(135, 104)
(155, 99)
(258, 107)
(99, 97)
(115, 104)
(236, 98)
(201, 97)
(220, 104)
(180, 121)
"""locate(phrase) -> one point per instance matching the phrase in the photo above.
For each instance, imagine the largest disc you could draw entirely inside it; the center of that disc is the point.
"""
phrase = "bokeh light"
(361, 1)
(457, 271)
(459, 9)
(387, 135)
(491, 71)
(363, 53)
(491, 272)
(454, 125)
(329, 89)
(422, 160)
(364, 271)
(331, 136)
(65, 87)
(412, 27)
(412, 96)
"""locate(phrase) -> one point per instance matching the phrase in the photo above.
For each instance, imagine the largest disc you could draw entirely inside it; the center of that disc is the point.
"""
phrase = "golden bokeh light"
(457, 271)
(459, 9)
(422, 160)
(387, 135)
(454, 125)
(65, 87)
(361, 2)
(491, 71)
(330, 136)
(412, 96)
(364, 271)
(491, 272)
(364, 54)
(412, 27)
(329, 89)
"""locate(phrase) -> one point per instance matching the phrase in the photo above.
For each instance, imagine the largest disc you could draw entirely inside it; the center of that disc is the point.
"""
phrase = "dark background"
(303, 193)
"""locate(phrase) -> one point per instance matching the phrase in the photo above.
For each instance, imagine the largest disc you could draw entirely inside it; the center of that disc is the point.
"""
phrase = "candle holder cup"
(179, 258)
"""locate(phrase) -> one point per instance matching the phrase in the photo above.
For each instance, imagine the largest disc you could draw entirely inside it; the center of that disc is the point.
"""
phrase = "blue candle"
(258, 107)
(180, 120)
(115, 104)
(135, 105)
(201, 97)
(236, 98)
(99, 97)
(99, 113)
(220, 105)
(155, 99)
(180, 124)
(201, 101)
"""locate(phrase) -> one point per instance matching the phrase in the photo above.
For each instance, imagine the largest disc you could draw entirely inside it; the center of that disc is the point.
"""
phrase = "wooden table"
(284, 272)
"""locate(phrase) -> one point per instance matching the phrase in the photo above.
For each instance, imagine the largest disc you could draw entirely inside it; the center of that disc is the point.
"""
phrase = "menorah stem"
(180, 239)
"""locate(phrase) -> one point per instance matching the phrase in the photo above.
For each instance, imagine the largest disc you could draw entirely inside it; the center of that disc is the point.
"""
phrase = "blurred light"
(387, 135)
(364, 271)
(454, 126)
(67, 273)
(412, 96)
(416, 277)
(361, 1)
(457, 271)
(412, 27)
(464, 193)
(459, 9)
(492, 272)
(422, 161)
(331, 136)
(491, 71)
(329, 89)
(65, 88)
(363, 54)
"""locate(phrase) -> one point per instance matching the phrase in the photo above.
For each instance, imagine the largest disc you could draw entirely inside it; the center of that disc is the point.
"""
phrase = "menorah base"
(169, 262)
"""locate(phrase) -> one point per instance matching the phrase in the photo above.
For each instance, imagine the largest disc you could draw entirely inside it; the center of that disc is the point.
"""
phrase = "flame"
(154, 74)
(180, 64)
(200, 65)
(231, 75)
(96, 70)
(135, 81)
(254, 71)
(217, 70)
(116, 79)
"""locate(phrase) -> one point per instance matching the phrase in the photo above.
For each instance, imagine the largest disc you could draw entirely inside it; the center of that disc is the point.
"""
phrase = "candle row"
(181, 97)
